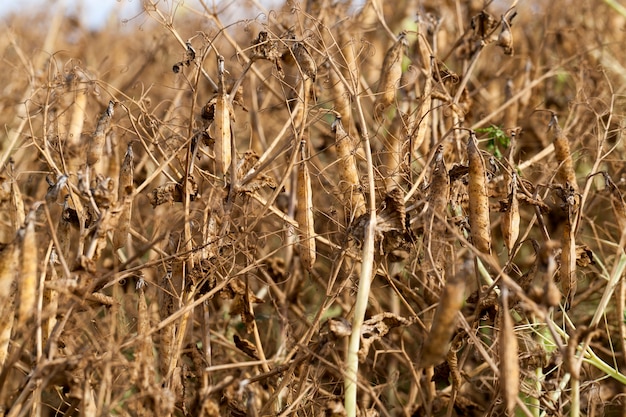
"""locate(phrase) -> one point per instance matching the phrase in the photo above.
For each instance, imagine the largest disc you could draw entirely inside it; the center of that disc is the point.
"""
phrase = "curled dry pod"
(511, 218)
(27, 284)
(509, 361)
(391, 73)
(125, 192)
(436, 344)
(304, 215)
(222, 118)
(565, 174)
(349, 183)
(96, 144)
(480, 227)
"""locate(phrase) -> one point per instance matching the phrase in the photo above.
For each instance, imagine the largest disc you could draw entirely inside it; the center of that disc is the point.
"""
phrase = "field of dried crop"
(407, 208)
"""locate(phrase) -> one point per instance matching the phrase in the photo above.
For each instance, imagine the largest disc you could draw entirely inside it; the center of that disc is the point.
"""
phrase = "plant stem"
(365, 279)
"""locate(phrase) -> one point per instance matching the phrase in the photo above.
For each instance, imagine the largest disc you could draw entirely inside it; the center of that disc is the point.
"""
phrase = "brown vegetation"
(324, 209)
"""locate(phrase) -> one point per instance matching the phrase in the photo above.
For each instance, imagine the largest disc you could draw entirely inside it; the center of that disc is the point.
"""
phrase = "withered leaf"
(246, 347)
(242, 301)
(376, 328)
(172, 192)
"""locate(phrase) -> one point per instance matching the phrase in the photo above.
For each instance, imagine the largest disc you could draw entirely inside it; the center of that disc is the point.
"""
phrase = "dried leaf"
(246, 347)
(376, 328)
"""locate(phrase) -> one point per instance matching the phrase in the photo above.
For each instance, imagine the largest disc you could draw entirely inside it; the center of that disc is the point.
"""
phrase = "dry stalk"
(365, 277)
(509, 352)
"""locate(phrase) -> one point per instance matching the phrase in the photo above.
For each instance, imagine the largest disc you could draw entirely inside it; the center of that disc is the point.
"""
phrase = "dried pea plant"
(321, 209)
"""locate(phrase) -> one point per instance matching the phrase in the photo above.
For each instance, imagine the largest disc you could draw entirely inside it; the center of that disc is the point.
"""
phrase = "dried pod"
(543, 290)
(305, 61)
(222, 132)
(16, 211)
(509, 356)
(511, 218)
(505, 39)
(27, 284)
(125, 193)
(8, 264)
(391, 73)
(567, 272)
(349, 183)
(566, 173)
(423, 114)
(435, 224)
(9, 259)
(341, 98)
(304, 215)
(443, 326)
(480, 227)
(96, 144)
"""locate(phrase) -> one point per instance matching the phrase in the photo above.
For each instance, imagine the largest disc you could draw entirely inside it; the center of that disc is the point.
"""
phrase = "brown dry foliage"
(197, 209)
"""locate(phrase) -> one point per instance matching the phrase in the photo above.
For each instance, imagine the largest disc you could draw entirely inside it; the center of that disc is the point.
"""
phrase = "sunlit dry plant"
(283, 216)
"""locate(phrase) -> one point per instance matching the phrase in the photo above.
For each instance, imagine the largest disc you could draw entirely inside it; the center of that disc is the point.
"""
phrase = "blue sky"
(93, 13)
